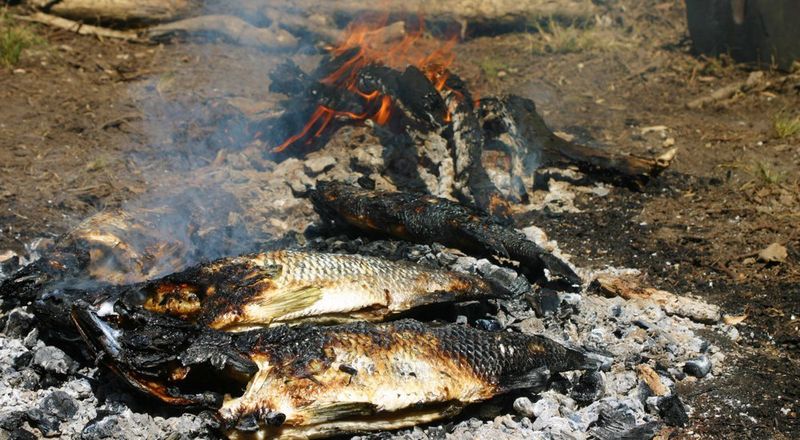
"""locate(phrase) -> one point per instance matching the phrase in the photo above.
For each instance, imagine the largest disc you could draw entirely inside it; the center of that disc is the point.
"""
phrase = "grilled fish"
(292, 286)
(309, 382)
(424, 218)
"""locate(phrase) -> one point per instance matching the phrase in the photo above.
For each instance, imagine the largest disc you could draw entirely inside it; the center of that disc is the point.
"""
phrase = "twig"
(77, 27)
(754, 82)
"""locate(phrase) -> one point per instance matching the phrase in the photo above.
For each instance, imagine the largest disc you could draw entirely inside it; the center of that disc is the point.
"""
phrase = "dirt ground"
(77, 136)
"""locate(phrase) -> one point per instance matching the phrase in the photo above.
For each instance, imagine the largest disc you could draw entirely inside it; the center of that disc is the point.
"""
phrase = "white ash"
(633, 333)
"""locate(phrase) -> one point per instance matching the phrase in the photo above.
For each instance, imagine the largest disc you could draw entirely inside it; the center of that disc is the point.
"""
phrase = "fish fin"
(486, 237)
(285, 302)
(560, 268)
(535, 379)
(530, 254)
(338, 411)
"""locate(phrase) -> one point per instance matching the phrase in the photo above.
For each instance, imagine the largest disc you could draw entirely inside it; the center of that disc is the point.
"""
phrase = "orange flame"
(366, 39)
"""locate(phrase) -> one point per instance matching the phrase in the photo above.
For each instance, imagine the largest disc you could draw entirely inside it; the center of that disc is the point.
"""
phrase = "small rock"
(31, 339)
(774, 253)
(698, 367)
(489, 325)
(52, 360)
(673, 411)
(18, 323)
(524, 407)
(319, 164)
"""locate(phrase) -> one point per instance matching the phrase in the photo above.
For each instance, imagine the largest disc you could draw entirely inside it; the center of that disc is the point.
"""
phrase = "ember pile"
(407, 301)
(439, 138)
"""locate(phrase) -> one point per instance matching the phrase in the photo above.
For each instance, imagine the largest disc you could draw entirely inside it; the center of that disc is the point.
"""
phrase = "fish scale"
(288, 286)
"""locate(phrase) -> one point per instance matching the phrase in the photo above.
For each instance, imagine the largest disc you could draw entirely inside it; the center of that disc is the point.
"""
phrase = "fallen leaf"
(774, 253)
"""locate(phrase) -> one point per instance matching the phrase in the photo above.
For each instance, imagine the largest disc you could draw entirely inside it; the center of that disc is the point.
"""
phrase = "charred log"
(514, 122)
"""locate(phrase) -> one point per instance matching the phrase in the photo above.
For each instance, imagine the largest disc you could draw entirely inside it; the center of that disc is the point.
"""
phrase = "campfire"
(373, 284)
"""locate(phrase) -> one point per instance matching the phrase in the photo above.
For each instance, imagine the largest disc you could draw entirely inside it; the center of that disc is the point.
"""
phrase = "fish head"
(215, 288)
(167, 358)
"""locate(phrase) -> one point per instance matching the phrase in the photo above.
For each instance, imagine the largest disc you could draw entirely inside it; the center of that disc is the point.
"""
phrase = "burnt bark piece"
(426, 219)
(516, 118)
(467, 141)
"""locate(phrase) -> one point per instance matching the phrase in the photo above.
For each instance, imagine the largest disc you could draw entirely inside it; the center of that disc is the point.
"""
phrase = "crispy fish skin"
(294, 286)
(309, 381)
(319, 382)
(425, 218)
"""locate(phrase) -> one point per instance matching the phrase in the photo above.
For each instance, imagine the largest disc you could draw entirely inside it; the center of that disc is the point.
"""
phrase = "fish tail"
(530, 254)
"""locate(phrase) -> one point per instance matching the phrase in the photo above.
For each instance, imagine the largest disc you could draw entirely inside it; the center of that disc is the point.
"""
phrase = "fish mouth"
(153, 370)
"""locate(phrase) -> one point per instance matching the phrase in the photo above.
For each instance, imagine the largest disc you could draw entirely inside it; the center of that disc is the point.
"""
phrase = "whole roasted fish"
(425, 218)
(308, 381)
(286, 286)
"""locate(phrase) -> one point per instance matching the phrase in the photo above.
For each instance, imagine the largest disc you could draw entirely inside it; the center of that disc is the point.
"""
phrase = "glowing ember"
(361, 47)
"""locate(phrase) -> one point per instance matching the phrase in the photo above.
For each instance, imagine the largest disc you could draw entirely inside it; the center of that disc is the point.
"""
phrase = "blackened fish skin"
(287, 286)
(309, 381)
(358, 377)
(425, 218)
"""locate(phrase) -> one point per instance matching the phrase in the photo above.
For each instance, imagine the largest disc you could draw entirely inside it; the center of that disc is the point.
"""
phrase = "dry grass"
(786, 125)
(555, 38)
(14, 39)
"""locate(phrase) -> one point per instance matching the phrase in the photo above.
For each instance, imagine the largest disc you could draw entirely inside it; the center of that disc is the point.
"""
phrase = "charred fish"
(425, 218)
(308, 382)
(287, 286)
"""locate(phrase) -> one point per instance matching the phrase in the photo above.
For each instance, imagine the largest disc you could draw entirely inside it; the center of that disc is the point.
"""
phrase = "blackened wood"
(535, 142)
(466, 139)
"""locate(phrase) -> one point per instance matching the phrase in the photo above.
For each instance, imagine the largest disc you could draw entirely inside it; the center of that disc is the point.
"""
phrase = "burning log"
(422, 218)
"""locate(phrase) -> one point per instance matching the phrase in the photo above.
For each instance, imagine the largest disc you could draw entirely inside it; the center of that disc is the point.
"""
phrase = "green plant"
(785, 125)
(768, 175)
(491, 66)
(13, 40)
